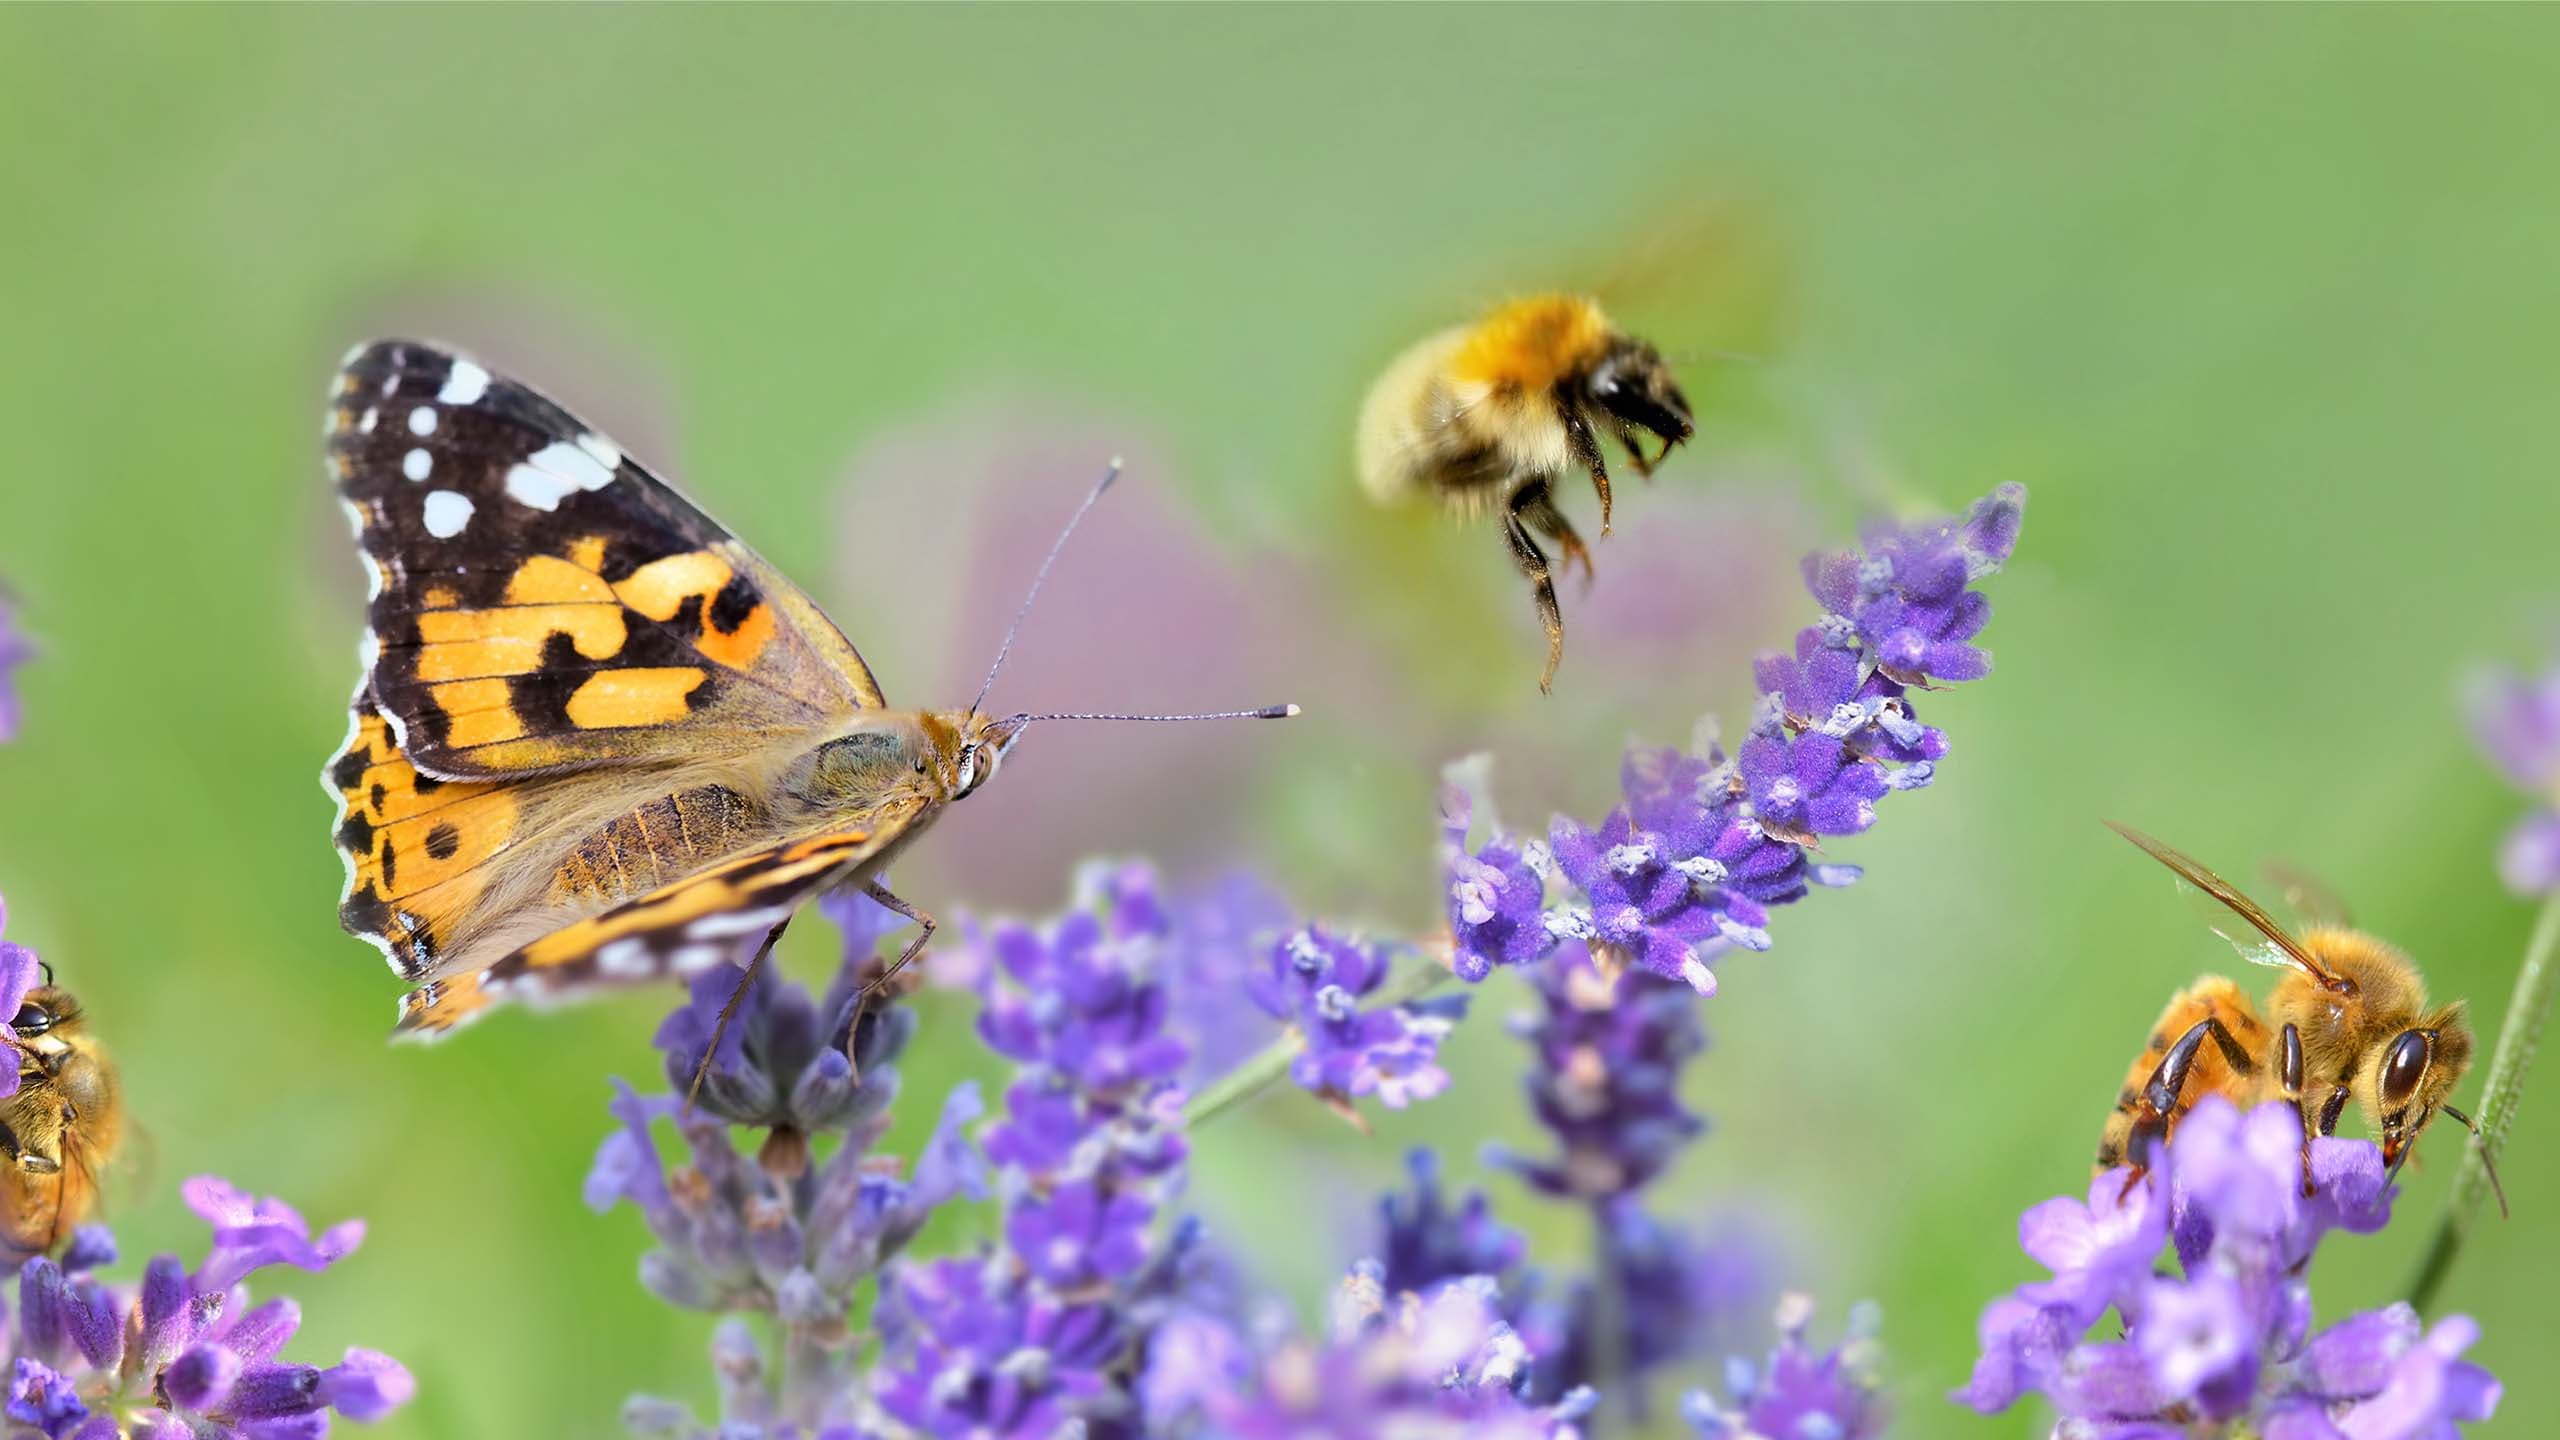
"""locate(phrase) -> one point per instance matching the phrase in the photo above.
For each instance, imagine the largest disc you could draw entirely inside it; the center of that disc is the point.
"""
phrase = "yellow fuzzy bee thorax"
(1529, 345)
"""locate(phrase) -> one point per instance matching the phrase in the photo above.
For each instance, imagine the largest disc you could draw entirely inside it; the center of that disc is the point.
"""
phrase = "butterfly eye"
(2402, 1070)
(32, 1019)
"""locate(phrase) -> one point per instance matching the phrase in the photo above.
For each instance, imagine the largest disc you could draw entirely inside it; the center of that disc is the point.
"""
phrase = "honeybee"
(60, 1129)
(1494, 413)
(2349, 1019)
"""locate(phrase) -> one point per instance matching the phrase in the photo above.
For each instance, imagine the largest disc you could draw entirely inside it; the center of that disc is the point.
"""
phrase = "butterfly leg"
(1533, 563)
(896, 906)
(737, 997)
(1586, 452)
(888, 900)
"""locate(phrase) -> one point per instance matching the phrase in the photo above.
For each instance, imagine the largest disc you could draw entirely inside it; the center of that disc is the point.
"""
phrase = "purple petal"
(366, 1386)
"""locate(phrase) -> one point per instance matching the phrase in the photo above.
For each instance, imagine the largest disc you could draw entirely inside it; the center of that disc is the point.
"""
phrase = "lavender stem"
(2537, 983)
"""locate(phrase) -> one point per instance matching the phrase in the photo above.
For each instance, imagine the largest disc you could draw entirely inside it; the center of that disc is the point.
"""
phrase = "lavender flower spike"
(15, 650)
(2223, 1344)
(20, 972)
(2516, 719)
(1800, 1391)
(181, 1355)
(1689, 866)
(779, 1230)
(1497, 895)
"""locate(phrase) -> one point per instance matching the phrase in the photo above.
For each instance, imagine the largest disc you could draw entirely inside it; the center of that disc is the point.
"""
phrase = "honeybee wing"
(2271, 945)
(2307, 895)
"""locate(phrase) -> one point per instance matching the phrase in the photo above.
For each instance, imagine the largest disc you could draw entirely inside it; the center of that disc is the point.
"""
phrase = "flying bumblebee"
(60, 1129)
(2349, 1019)
(1494, 414)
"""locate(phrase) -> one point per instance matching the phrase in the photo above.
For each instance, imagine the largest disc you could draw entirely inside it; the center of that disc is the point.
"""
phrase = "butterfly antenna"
(1267, 712)
(1109, 474)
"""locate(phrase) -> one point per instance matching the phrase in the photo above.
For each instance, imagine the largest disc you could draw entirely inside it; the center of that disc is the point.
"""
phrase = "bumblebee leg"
(1627, 436)
(1533, 563)
(2160, 1096)
(1586, 453)
(1536, 504)
(728, 1010)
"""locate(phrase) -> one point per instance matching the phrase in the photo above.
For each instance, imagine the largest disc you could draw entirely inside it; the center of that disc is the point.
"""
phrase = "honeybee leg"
(2289, 1080)
(1586, 453)
(1536, 503)
(2160, 1096)
(1533, 563)
(737, 997)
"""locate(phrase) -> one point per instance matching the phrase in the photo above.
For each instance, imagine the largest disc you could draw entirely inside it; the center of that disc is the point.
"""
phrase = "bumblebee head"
(1632, 383)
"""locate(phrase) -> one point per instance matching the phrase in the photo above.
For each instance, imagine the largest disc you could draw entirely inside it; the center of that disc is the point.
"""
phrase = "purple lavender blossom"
(1799, 1391)
(15, 650)
(1497, 895)
(2516, 719)
(1608, 1051)
(182, 1354)
(779, 1231)
(1022, 1340)
(1688, 866)
(1391, 1364)
(1315, 980)
(2226, 1340)
(20, 972)
(1425, 1242)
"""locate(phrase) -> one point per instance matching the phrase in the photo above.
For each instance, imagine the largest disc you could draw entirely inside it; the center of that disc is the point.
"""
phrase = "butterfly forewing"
(543, 603)
(578, 693)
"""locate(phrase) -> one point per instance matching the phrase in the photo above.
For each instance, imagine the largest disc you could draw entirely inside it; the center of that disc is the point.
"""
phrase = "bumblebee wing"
(2271, 944)
(678, 929)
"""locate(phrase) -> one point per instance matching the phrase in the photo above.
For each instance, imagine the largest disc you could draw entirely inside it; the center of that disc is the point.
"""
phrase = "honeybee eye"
(2404, 1066)
(32, 1019)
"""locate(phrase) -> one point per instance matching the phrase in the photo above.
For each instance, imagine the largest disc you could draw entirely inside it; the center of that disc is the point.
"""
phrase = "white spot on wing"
(366, 424)
(692, 959)
(422, 421)
(735, 922)
(608, 454)
(447, 512)
(628, 956)
(464, 385)
(416, 464)
(552, 473)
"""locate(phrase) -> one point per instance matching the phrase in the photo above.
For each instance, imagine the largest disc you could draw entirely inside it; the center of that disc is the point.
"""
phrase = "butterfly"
(597, 740)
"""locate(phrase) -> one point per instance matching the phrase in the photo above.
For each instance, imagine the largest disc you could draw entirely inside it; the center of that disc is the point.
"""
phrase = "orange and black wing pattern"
(541, 603)
(679, 929)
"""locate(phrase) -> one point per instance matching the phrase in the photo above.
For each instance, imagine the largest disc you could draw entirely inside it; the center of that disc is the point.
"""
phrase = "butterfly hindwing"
(419, 851)
(541, 603)
(676, 930)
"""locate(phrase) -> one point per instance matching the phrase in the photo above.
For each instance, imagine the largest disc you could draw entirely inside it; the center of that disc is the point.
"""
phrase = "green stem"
(1411, 982)
(2537, 984)
(1612, 1347)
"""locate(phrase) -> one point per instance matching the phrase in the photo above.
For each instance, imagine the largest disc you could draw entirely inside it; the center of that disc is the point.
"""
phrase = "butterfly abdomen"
(660, 840)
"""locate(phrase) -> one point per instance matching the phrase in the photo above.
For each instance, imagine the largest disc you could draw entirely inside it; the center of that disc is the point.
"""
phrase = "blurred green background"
(2259, 303)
